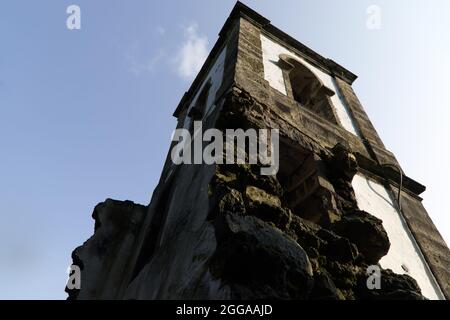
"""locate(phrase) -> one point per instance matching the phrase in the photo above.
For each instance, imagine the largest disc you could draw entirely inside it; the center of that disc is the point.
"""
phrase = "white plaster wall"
(274, 75)
(216, 75)
(373, 198)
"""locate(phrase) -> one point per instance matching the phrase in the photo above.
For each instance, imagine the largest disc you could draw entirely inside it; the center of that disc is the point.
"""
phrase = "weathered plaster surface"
(215, 77)
(374, 198)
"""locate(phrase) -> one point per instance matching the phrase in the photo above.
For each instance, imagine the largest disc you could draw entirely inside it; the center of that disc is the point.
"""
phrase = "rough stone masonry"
(227, 232)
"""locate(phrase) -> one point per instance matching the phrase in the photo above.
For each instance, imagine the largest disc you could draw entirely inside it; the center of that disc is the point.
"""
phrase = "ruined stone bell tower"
(339, 205)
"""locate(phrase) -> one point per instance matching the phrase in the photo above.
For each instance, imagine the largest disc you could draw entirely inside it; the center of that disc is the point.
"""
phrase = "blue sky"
(86, 114)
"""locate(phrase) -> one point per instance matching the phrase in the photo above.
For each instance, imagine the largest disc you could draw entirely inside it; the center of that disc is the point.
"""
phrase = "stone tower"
(338, 207)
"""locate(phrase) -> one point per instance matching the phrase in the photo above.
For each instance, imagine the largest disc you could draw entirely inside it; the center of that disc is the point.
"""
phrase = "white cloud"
(160, 30)
(186, 60)
(192, 53)
(138, 63)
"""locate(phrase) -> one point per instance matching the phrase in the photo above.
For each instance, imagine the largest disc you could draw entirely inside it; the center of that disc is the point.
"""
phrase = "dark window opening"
(301, 175)
(198, 111)
(307, 89)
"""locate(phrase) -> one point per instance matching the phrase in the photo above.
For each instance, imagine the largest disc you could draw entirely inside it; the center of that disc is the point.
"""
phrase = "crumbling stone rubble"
(266, 251)
(227, 232)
